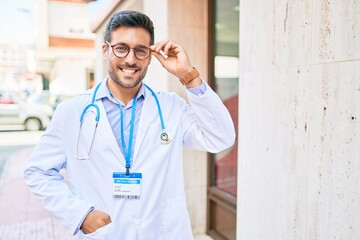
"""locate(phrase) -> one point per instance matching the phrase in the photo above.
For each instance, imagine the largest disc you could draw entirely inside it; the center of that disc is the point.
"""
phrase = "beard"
(125, 82)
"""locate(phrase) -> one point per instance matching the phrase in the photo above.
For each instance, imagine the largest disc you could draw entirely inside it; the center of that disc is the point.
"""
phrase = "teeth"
(128, 70)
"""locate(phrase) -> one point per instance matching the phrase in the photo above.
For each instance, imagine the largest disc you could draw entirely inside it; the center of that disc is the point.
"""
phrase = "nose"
(131, 58)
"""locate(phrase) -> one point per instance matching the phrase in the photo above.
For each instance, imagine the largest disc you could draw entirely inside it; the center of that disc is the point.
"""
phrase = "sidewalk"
(22, 215)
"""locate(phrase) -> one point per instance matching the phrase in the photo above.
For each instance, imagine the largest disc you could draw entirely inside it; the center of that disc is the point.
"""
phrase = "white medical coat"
(161, 213)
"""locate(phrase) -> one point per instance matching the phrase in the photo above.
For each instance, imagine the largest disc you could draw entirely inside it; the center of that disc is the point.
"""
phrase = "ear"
(105, 51)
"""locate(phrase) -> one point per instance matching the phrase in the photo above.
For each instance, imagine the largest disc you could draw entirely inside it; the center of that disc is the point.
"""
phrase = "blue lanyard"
(165, 137)
(132, 123)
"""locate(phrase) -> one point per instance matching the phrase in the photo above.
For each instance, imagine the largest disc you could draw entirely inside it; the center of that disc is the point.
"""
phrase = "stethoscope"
(165, 137)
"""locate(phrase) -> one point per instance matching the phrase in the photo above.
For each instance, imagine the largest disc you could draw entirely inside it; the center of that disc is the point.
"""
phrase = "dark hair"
(129, 19)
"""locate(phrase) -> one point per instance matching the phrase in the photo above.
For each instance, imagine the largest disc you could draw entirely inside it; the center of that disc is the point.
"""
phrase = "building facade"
(64, 50)
(16, 42)
(13, 66)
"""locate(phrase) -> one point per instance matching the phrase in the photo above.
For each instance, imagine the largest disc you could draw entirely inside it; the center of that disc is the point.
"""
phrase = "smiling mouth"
(128, 71)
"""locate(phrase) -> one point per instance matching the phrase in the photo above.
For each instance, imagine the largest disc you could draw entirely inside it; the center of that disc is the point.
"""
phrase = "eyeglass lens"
(122, 50)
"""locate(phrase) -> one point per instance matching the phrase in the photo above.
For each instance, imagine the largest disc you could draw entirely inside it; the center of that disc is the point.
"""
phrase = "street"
(22, 216)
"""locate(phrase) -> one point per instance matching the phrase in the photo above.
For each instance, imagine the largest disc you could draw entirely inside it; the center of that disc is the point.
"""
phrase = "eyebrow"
(122, 43)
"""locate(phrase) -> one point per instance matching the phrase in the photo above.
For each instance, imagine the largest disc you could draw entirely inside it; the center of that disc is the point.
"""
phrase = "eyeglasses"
(121, 50)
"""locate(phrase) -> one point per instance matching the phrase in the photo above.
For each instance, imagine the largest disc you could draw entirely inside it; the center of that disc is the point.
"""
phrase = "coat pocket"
(175, 220)
(100, 234)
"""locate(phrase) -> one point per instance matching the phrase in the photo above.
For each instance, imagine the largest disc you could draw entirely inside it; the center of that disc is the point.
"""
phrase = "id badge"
(127, 187)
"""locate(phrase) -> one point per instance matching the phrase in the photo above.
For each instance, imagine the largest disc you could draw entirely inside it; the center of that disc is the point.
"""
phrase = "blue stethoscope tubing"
(165, 137)
(97, 118)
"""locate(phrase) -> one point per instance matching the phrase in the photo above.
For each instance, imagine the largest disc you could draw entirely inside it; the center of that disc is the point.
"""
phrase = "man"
(123, 162)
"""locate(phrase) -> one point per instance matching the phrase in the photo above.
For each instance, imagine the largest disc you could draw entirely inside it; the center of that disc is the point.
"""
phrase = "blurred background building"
(47, 50)
(47, 46)
(64, 45)
(295, 66)
(16, 42)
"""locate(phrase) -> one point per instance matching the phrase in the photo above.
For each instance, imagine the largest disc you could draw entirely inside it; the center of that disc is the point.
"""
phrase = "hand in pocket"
(95, 220)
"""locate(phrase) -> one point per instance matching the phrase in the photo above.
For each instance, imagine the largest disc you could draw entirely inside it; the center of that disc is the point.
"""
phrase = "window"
(224, 65)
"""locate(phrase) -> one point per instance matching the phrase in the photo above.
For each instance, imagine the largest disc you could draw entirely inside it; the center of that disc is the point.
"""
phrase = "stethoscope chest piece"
(165, 137)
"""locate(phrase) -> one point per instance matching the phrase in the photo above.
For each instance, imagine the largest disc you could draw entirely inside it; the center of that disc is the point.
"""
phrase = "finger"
(172, 49)
(167, 47)
(154, 48)
(161, 46)
(107, 219)
(172, 52)
(104, 217)
(159, 57)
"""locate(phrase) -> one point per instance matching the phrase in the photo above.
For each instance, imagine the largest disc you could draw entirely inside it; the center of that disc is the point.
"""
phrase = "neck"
(124, 95)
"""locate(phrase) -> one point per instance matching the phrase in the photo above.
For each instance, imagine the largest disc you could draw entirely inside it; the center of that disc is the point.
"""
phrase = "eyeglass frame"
(129, 49)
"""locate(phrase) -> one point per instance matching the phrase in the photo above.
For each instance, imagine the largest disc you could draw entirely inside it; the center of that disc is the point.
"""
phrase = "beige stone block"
(271, 203)
(273, 110)
(187, 12)
(274, 34)
(336, 30)
(334, 180)
(273, 154)
(196, 202)
(195, 169)
(334, 124)
(193, 39)
(333, 212)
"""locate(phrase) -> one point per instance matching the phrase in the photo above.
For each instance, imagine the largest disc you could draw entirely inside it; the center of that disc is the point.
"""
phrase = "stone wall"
(299, 113)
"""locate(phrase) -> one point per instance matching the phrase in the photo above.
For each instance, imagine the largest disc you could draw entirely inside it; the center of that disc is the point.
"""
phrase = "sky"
(16, 22)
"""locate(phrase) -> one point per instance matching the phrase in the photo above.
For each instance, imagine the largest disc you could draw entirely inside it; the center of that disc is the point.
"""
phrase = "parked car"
(34, 113)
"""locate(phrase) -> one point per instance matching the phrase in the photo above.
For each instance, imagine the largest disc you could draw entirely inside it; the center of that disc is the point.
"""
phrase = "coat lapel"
(148, 113)
(105, 131)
